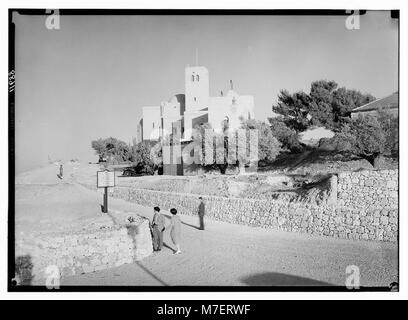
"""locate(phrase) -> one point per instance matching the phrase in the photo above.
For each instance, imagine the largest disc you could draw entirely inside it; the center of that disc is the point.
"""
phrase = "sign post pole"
(105, 179)
(105, 200)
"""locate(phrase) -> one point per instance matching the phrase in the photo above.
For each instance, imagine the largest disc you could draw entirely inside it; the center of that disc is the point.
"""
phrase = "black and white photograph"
(204, 150)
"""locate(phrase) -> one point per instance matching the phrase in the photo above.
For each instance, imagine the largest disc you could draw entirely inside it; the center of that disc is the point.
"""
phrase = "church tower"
(196, 98)
(197, 89)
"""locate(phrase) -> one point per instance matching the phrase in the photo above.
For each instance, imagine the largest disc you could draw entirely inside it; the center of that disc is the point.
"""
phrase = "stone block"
(384, 220)
(87, 268)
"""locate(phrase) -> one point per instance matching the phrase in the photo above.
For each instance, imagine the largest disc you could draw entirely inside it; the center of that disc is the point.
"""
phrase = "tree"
(142, 155)
(100, 148)
(345, 100)
(363, 137)
(325, 105)
(156, 155)
(216, 150)
(111, 149)
(268, 146)
(389, 125)
(288, 137)
(294, 108)
(208, 142)
(321, 106)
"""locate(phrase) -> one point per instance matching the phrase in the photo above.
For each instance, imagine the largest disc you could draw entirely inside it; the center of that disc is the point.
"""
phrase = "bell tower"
(196, 88)
(196, 98)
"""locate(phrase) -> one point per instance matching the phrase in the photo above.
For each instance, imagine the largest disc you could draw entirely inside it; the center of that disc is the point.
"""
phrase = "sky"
(91, 78)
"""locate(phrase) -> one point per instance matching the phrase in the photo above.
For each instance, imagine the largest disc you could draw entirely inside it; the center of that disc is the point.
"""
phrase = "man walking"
(61, 172)
(158, 228)
(201, 213)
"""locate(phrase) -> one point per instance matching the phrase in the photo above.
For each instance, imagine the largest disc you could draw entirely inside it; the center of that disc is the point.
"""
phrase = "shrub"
(288, 137)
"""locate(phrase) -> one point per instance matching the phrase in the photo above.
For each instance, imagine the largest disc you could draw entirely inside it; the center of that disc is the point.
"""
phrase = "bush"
(141, 155)
(288, 137)
(363, 137)
(268, 146)
(111, 150)
(389, 125)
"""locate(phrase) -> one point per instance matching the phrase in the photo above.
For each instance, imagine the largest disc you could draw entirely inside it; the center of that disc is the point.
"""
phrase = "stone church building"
(195, 107)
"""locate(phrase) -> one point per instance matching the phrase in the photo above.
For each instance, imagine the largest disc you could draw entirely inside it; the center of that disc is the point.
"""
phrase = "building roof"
(390, 102)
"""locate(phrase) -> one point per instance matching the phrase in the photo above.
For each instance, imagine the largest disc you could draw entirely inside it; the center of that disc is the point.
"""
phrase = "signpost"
(105, 179)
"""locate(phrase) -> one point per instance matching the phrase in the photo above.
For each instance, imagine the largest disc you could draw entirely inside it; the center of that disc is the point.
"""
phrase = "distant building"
(196, 107)
(388, 103)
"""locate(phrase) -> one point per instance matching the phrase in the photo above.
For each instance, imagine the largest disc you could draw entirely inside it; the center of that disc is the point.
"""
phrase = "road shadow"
(272, 279)
(141, 266)
(23, 270)
(133, 231)
(168, 247)
(190, 225)
(166, 216)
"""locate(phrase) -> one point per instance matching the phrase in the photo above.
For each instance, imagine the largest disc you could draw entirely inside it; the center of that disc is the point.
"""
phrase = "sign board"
(105, 179)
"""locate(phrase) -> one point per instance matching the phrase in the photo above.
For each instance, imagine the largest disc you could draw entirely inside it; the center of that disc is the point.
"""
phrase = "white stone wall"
(151, 123)
(198, 107)
(368, 189)
(354, 209)
(232, 106)
(197, 91)
(86, 251)
(171, 114)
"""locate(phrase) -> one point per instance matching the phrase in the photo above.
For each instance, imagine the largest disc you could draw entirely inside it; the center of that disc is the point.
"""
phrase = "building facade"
(185, 111)
(151, 123)
(389, 104)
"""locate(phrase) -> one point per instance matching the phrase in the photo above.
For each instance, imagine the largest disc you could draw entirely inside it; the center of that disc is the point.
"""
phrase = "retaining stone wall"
(354, 211)
(87, 251)
(368, 189)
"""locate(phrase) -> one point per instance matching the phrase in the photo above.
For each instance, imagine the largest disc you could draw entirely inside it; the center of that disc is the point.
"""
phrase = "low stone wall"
(87, 251)
(359, 205)
(197, 185)
(254, 212)
(346, 214)
(368, 189)
(325, 219)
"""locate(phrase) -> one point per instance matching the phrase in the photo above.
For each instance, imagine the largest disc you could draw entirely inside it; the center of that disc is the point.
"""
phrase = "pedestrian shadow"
(182, 222)
(133, 231)
(168, 247)
(277, 279)
(190, 225)
(141, 266)
(23, 271)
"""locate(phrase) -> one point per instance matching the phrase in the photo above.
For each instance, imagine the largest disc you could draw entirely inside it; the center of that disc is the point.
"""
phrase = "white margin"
(215, 4)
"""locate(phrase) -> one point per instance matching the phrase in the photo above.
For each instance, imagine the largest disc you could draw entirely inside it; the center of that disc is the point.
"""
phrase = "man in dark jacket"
(157, 229)
(201, 213)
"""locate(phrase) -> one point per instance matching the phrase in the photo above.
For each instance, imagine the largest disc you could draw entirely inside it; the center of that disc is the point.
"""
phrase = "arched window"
(225, 123)
(192, 77)
(198, 77)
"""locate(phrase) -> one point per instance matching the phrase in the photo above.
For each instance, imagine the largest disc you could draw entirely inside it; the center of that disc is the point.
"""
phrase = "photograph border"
(11, 287)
